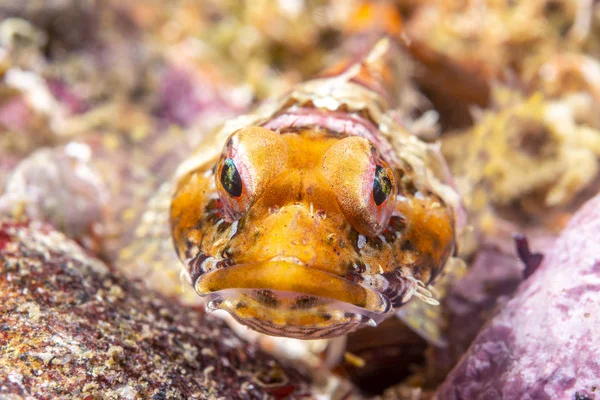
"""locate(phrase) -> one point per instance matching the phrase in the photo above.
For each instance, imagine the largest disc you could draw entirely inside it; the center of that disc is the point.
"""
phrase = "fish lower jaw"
(318, 318)
(290, 299)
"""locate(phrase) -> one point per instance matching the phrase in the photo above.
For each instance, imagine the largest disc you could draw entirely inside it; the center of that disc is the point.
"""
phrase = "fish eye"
(382, 185)
(362, 182)
(230, 178)
(251, 158)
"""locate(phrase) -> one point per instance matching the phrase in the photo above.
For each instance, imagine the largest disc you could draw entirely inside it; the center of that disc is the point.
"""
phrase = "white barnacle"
(377, 282)
(362, 240)
(233, 230)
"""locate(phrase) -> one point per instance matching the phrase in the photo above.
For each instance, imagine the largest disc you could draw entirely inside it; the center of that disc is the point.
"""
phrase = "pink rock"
(544, 343)
(74, 103)
(15, 114)
(184, 97)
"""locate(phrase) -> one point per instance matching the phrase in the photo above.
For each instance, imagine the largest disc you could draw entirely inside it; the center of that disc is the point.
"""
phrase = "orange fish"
(318, 213)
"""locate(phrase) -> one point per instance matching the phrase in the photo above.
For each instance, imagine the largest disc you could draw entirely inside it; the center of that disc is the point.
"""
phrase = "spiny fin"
(425, 318)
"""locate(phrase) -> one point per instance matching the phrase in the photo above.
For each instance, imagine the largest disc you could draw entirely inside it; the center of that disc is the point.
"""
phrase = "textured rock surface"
(544, 342)
(70, 328)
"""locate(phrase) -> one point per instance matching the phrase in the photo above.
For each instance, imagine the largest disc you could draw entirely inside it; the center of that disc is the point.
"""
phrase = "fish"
(317, 213)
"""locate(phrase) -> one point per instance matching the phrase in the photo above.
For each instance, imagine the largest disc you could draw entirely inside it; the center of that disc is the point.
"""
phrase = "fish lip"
(289, 274)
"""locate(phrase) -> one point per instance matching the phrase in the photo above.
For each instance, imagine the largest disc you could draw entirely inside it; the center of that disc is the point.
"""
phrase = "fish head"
(291, 233)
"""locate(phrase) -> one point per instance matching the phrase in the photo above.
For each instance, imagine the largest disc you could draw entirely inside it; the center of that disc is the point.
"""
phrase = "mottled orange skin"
(301, 234)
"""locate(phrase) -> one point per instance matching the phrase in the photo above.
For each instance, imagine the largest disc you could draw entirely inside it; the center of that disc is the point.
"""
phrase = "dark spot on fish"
(424, 266)
(353, 238)
(194, 266)
(240, 304)
(359, 266)
(396, 225)
(376, 242)
(241, 224)
(306, 302)
(326, 316)
(224, 263)
(354, 277)
(227, 252)
(266, 298)
(212, 212)
(407, 245)
(396, 288)
(217, 302)
(223, 226)
(190, 248)
(330, 239)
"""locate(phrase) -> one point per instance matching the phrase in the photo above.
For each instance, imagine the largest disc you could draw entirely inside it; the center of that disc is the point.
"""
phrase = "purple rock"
(74, 103)
(59, 186)
(14, 114)
(184, 97)
(544, 343)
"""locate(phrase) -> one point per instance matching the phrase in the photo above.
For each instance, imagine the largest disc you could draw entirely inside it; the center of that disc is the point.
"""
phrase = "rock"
(59, 186)
(70, 327)
(543, 344)
(492, 278)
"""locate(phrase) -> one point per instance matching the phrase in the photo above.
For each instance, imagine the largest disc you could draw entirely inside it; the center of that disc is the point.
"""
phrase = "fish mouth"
(284, 298)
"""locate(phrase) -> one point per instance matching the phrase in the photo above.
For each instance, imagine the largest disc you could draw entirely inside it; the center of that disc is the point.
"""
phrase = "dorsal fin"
(371, 51)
